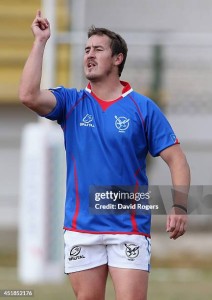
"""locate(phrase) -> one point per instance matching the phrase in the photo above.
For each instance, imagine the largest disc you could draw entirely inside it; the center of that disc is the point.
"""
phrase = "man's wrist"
(40, 41)
(181, 207)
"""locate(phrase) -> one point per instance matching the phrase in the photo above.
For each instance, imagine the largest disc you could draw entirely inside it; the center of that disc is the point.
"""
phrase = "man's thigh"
(129, 265)
(86, 264)
(90, 284)
(129, 284)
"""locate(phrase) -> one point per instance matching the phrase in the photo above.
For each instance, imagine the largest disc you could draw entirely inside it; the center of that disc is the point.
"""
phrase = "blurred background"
(169, 60)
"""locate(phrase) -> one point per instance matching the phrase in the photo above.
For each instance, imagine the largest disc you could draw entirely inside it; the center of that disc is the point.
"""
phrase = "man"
(108, 131)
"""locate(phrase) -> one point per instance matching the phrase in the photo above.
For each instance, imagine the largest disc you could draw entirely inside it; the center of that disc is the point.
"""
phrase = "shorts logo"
(131, 251)
(87, 121)
(122, 123)
(75, 253)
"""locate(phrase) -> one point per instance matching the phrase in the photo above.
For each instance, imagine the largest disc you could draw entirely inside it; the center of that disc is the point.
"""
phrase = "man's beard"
(96, 77)
(91, 77)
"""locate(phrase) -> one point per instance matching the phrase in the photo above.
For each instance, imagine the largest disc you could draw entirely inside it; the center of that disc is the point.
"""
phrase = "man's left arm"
(180, 175)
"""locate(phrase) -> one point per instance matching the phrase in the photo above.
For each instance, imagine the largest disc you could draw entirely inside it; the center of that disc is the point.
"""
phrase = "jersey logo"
(122, 123)
(87, 121)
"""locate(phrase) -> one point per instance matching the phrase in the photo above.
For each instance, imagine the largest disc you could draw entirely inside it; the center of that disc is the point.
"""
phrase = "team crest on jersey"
(122, 123)
(87, 121)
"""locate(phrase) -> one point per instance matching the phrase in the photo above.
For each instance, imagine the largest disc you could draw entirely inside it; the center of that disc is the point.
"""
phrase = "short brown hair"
(118, 44)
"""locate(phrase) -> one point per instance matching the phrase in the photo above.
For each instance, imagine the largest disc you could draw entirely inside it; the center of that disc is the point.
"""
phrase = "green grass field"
(168, 281)
(165, 284)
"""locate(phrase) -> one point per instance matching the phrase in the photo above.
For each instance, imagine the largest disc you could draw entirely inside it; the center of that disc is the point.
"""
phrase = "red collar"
(105, 104)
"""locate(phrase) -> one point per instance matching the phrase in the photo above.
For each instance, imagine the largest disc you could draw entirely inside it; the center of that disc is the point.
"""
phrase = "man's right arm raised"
(39, 100)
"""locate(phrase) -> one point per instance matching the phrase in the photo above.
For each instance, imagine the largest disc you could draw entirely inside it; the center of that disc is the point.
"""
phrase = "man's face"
(98, 60)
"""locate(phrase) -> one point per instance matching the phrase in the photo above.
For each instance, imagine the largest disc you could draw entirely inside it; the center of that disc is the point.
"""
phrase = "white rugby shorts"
(85, 251)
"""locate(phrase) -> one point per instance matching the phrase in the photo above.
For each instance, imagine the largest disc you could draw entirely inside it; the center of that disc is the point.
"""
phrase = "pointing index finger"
(38, 13)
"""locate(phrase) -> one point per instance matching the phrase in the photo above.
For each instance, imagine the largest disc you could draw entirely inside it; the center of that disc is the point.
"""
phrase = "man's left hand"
(176, 223)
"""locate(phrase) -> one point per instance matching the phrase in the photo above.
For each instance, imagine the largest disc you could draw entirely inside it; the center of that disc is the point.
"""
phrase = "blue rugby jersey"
(106, 144)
